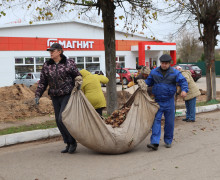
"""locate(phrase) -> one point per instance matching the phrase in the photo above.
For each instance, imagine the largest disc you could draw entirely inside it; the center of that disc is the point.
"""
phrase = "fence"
(202, 66)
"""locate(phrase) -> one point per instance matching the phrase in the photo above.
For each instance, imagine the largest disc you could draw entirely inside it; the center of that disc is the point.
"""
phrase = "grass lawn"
(45, 125)
(204, 103)
(208, 103)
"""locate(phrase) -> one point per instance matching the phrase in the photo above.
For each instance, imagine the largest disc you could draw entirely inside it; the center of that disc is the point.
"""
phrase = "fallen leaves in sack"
(117, 117)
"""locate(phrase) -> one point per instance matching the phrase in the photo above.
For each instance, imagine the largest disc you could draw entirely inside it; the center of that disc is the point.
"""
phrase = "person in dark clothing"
(142, 74)
(60, 74)
(163, 79)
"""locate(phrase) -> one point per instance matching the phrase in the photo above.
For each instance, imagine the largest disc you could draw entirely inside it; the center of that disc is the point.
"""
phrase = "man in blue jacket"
(164, 80)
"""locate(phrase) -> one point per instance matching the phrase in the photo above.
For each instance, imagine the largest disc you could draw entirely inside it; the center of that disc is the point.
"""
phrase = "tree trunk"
(209, 52)
(108, 17)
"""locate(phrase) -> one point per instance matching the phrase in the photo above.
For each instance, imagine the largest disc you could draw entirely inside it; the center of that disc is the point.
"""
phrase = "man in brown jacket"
(190, 99)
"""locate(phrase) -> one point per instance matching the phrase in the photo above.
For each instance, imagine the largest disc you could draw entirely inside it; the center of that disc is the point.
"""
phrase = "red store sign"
(41, 44)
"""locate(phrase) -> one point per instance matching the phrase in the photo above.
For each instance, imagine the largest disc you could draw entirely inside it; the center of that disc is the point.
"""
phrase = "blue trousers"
(168, 109)
(191, 109)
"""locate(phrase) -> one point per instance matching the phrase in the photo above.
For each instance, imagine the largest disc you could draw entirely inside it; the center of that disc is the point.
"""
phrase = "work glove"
(37, 100)
(178, 90)
(142, 84)
(78, 82)
(79, 87)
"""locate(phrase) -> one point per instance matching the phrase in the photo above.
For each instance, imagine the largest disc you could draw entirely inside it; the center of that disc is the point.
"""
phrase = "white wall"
(62, 30)
(130, 58)
(7, 70)
(153, 54)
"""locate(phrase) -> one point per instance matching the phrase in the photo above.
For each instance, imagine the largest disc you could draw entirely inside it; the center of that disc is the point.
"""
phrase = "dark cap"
(165, 58)
(55, 46)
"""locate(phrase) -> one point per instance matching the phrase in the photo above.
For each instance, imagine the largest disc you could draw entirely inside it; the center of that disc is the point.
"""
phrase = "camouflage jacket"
(60, 77)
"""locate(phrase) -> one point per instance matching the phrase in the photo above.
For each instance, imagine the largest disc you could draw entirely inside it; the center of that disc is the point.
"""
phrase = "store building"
(23, 47)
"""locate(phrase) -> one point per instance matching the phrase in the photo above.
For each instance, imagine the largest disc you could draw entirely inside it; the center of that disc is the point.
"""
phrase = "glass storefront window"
(80, 59)
(38, 68)
(118, 65)
(95, 59)
(80, 66)
(92, 66)
(120, 62)
(24, 69)
(31, 64)
(39, 60)
(29, 60)
(121, 59)
(18, 60)
(88, 59)
(47, 59)
(35, 64)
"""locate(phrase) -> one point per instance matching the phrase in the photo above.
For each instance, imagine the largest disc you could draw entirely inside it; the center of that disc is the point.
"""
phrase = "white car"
(28, 79)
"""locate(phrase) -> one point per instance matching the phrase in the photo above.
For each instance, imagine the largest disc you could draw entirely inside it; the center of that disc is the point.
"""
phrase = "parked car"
(28, 79)
(194, 69)
(100, 72)
(125, 74)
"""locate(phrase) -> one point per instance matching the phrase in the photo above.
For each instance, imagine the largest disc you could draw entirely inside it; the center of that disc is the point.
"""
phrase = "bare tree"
(189, 47)
(206, 15)
(133, 10)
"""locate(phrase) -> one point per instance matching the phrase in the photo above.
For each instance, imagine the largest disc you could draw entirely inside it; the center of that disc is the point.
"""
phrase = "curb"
(34, 135)
(27, 136)
(200, 109)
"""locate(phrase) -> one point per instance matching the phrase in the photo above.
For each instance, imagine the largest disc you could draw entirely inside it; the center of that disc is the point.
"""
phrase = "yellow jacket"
(91, 87)
(131, 83)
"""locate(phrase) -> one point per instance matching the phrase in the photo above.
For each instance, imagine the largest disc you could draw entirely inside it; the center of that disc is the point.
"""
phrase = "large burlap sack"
(88, 128)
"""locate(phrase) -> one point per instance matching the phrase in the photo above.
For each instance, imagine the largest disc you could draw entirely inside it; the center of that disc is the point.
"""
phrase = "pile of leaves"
(117, 117)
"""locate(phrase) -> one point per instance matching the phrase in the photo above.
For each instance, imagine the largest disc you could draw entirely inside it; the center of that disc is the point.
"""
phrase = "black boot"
(185, 119)
(153, 146)
(72, 148)
(66, 150)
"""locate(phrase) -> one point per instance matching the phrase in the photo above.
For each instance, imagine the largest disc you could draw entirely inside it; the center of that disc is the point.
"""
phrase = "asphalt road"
(195, 154)
(201, 83)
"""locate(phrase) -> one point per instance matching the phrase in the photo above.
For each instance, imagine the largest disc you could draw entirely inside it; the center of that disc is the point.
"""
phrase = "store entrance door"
(153, 63)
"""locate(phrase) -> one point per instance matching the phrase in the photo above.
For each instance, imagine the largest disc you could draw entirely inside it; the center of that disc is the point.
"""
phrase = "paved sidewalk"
(27, 136)
(201, 83)
(194, 155)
